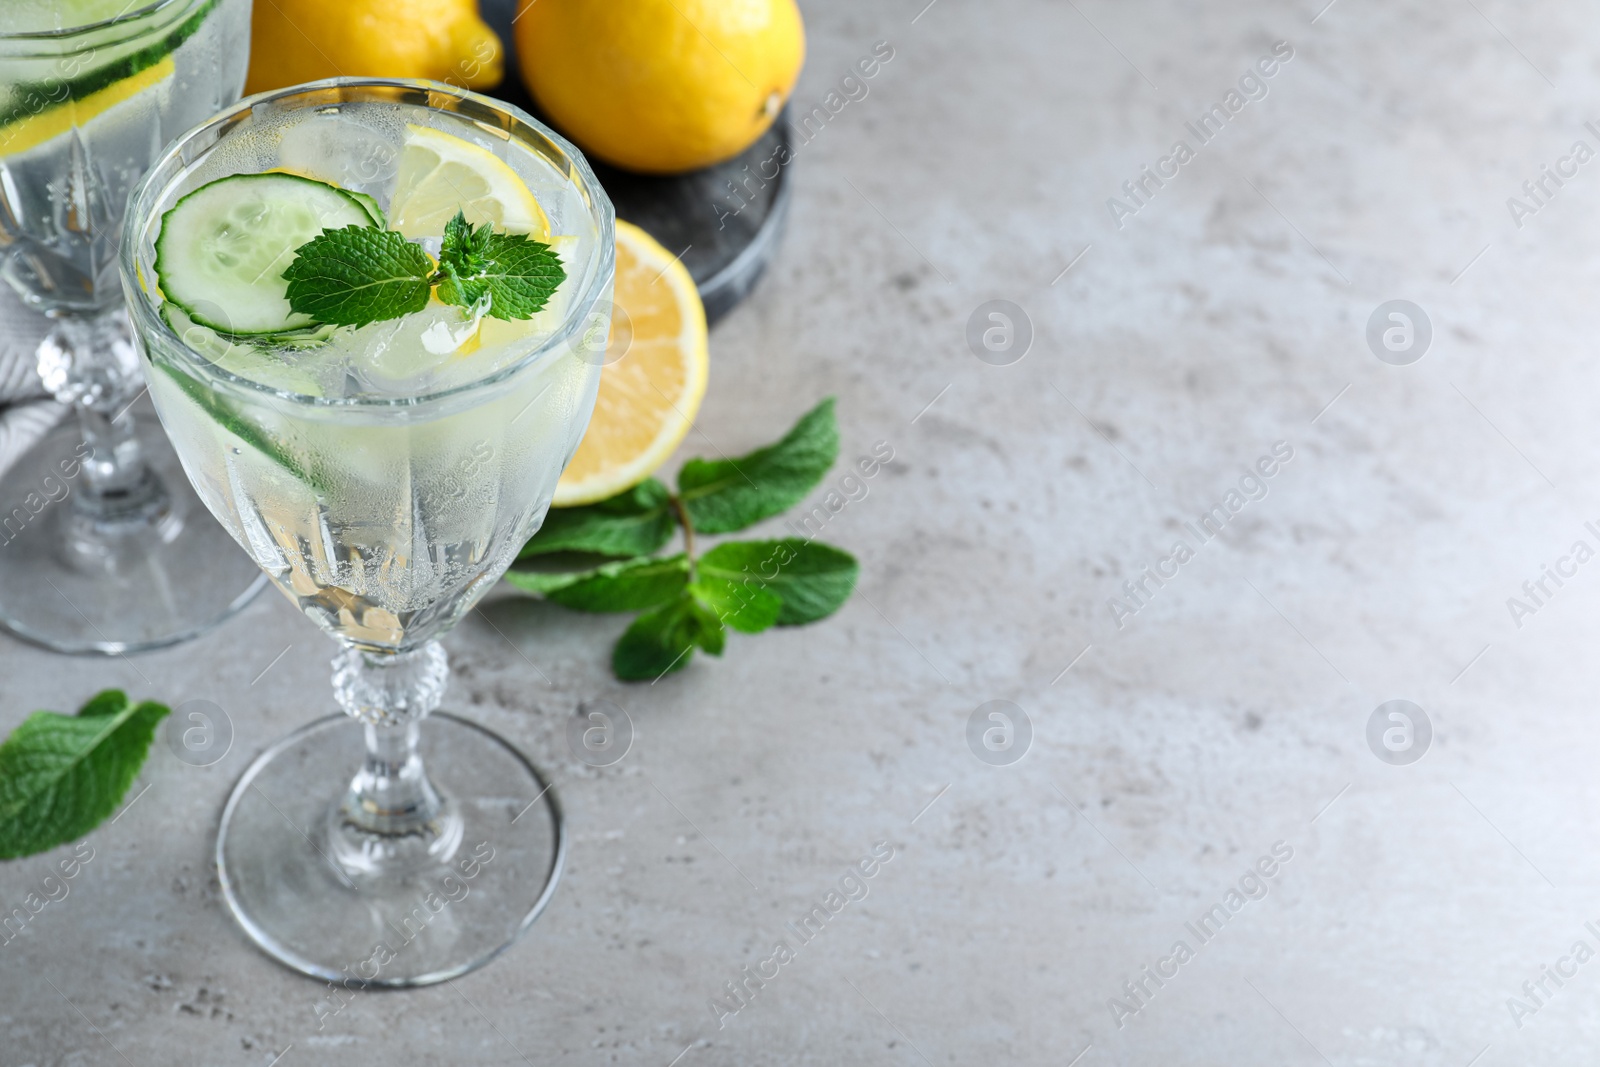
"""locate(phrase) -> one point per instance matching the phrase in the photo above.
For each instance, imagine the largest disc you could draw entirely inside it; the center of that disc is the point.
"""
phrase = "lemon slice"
(441, 174)
(650, 394)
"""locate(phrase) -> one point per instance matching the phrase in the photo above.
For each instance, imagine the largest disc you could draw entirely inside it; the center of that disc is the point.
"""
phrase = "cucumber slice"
(248, 360)
(75, 16)
(36, 16)
(294, 340)
(311, 337)
(245, 361)
(223, 248)
(370, 206)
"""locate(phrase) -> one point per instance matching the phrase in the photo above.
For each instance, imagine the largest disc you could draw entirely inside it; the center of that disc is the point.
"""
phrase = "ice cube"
(342, 150)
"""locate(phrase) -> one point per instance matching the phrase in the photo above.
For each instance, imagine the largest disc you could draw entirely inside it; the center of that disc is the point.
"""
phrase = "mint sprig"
(62, 775)
(358, 275)
(516, 273)
(689, 600)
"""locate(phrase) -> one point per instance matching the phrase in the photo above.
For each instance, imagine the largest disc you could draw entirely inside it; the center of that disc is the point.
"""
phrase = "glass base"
(291, 882)
(151, 578)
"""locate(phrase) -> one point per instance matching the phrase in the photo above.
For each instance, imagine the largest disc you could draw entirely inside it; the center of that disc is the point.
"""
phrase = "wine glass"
(384, 511)
(103, 548)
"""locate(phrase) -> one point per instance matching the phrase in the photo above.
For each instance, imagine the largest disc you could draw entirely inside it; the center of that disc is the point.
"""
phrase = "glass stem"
(391, 819)
(116, 478)
(89, 361)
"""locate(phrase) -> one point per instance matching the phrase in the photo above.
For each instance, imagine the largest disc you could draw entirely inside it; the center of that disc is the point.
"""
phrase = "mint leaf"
(545, 582)
(663, 640)
(356, 275)
(632, 585)
(726, 495)
(516, 273)
(709, 632)
(463, 244)
(811, 579)
(655, 644)
(745, 606)
(460, 258)
(62, 775)
(633, 523)
(107, 702)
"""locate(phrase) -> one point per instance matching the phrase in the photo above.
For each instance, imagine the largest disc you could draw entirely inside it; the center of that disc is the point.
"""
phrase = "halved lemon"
(651, 391)
(441, 174)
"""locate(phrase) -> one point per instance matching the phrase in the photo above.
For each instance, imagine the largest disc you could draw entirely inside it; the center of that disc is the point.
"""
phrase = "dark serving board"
(699, 215)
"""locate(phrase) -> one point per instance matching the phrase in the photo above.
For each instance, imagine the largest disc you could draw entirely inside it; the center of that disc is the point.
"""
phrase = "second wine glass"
(103, 548)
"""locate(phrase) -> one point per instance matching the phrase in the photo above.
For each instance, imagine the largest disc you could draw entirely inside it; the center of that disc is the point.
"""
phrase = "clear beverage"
(363, 471)
(90, 92)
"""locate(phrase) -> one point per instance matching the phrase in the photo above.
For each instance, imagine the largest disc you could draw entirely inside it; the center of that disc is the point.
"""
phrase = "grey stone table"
(1193, 724)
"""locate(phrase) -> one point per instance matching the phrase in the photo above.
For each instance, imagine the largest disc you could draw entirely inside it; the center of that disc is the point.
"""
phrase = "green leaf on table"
(810, 578)
(744, 586)
(545, 582)
(62, 775)
(358, 274)
(663, 639)
(516, 273)
(710, 634)
(630, 585)
(106, 702)
(730, 494)
(632, 523)
(745, 606)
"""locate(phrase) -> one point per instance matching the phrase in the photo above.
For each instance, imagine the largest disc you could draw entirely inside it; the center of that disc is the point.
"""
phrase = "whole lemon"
(293, 41)
(661, 86)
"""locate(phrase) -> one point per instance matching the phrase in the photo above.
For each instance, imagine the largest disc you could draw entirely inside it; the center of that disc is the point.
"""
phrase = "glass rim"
(142, 304)
(135, 10)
